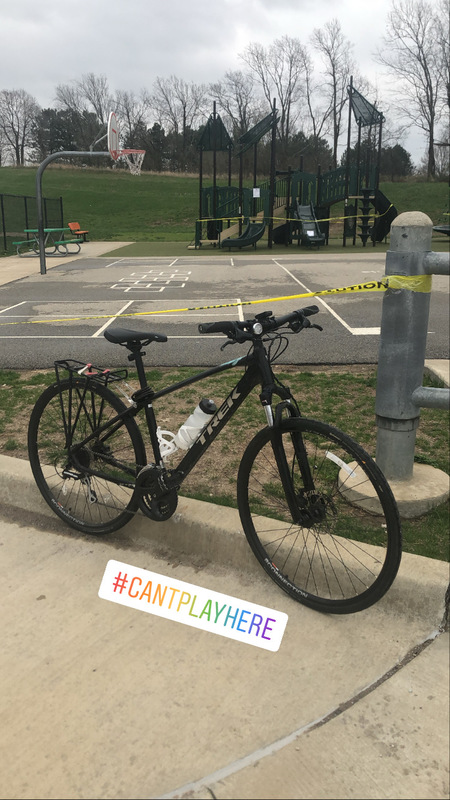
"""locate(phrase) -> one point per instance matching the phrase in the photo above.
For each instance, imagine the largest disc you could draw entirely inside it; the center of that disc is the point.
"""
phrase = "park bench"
(75, 228)
(29, 244)
(65, 242)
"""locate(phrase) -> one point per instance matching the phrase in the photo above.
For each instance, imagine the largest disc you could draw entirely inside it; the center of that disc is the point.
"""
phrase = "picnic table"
(55, 242)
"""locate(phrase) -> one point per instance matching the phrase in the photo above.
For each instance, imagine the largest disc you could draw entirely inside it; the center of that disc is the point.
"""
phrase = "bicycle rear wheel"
(319, 515)
(91, 489)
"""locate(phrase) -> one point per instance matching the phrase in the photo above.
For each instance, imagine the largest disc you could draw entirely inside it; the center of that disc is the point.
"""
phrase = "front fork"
(297, 502)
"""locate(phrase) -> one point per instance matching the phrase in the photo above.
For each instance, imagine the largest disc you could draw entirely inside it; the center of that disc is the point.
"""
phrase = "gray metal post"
(404, 325)
(40, 213)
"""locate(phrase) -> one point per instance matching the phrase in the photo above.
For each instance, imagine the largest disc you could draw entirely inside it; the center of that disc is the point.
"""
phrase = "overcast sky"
(131, 42)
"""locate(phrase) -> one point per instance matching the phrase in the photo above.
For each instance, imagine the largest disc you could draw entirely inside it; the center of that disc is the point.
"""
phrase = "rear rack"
(94, 373)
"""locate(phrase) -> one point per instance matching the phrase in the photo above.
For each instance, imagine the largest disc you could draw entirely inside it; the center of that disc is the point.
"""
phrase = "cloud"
(132, 42)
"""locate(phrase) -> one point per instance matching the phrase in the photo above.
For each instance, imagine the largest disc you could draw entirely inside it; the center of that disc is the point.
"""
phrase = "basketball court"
(63, 314)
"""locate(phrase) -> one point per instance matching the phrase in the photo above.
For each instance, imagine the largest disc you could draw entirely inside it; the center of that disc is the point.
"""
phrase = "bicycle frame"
(258, 371)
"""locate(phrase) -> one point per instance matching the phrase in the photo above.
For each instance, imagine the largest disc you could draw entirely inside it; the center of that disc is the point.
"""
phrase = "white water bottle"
(194, 424)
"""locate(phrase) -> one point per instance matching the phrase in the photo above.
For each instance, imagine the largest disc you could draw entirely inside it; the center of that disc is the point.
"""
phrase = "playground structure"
(292, 205)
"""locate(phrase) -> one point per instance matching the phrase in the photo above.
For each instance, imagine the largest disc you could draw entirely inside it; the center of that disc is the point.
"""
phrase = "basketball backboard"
(113, 136)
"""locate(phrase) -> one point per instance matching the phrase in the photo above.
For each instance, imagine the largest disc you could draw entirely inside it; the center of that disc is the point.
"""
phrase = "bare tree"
(442, 33)
(18, 111)
(335, 52)
(96, 91)
(133, 114)
(415, 54)
(70, 98)
(279, 69)
(88, 93)
(319, 107)
(178, 104)
(89, 101)
(235, 96)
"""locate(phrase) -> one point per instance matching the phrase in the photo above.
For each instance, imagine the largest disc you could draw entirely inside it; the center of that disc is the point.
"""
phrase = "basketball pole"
(39, 203)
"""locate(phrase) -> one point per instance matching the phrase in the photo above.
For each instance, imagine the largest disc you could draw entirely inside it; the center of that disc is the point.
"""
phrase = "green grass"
(344, 399)
(158, 208)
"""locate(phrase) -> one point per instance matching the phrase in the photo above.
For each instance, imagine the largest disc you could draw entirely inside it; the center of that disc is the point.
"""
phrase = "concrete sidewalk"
(13, 268)
(101, 701)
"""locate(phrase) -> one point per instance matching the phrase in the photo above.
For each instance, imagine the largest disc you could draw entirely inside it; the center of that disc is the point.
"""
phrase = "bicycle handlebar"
(244, 331)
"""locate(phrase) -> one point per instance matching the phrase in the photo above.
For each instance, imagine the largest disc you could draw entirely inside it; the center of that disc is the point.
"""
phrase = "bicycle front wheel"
(319, 516)
(92, 488)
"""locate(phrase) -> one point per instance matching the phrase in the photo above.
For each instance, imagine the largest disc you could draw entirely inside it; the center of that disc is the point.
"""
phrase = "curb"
(208, 533)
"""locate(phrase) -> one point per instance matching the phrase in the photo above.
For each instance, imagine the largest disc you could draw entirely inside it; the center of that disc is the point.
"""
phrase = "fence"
(18, 212)
(404, 326)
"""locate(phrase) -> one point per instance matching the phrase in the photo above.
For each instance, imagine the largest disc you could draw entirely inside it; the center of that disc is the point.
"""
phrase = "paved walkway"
(12, 268)
(99, 700)
(103, 701)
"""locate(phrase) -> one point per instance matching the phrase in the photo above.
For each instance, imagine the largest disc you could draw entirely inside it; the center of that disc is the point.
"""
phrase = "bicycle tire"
(342, 551)
(93, 492)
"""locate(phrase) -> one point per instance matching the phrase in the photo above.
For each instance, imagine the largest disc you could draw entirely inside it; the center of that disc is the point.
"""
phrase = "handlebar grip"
(228, 328)
(310, 310)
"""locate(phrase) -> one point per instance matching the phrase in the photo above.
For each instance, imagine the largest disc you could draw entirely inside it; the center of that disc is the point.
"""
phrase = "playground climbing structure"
(285, 205)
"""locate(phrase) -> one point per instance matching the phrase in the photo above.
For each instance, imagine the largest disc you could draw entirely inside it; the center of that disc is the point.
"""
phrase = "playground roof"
(257, 132)
(365, 113)
(215, 136)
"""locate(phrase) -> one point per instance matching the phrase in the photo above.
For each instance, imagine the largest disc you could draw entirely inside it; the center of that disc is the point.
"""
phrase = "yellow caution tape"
(415, 283)
(372, 215)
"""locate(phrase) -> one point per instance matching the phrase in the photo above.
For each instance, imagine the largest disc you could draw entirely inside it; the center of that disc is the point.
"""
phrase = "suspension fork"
(298, 444)
(268, 389)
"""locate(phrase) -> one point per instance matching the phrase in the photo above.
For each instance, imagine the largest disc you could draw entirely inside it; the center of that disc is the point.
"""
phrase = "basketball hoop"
(133, 159)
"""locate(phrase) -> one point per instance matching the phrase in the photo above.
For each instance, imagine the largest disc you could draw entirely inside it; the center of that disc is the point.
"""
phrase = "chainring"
(156, 502)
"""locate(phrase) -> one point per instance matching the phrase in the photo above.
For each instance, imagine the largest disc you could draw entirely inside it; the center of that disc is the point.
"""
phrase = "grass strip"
(337, 395)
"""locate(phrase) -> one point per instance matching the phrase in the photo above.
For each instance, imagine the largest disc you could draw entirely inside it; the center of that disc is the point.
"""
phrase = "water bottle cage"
(188, 435)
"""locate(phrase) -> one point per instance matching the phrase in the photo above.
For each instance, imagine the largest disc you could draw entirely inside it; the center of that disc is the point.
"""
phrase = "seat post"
(136, 355)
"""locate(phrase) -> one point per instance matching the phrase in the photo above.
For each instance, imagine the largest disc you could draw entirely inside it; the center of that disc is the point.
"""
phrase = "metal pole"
(404, 324)
(272, 175)
(214, 142)
(347, 160)
(40, 215)
(5, 244)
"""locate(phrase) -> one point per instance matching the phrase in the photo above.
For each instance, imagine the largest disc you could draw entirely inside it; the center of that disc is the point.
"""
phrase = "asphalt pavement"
(100, 700)
(63, 314)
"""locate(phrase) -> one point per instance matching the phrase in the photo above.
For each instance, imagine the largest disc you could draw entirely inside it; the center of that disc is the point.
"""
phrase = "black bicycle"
(317, 511)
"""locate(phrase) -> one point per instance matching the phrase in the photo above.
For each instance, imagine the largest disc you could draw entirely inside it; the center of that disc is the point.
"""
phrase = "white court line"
(15, 306)
(100, 330)
(113, 263)
(353, 331)
(240, 310)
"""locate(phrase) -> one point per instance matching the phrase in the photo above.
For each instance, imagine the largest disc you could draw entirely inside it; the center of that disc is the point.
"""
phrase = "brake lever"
(229, 341)
(300, 325)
